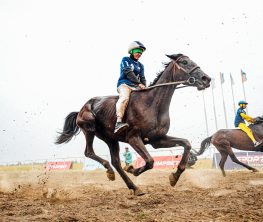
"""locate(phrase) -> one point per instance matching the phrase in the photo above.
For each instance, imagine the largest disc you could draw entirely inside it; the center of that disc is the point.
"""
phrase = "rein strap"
(163, 84)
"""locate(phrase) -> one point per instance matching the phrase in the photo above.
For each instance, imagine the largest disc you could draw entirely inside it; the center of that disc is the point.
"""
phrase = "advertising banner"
(61, 165)
(161, 162)
(254, 159)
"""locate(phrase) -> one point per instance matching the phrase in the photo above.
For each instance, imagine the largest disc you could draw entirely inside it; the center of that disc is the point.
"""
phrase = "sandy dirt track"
(200, 195)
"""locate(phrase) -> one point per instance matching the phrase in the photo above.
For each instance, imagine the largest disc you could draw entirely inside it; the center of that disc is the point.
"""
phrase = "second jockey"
(240, 119)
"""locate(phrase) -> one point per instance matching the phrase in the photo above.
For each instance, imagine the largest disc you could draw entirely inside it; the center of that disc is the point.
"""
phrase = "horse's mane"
(159, 74)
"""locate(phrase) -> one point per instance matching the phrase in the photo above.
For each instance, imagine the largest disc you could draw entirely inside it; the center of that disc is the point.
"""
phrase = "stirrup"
(258, 144)
(119, 127)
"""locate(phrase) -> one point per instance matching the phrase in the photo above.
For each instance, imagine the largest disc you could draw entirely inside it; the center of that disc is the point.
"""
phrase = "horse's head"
(187, 70)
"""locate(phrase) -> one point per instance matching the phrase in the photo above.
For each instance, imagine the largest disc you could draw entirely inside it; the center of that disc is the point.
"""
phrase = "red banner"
(161, 162)
(65, 165)
(254, 159)
(251, 159)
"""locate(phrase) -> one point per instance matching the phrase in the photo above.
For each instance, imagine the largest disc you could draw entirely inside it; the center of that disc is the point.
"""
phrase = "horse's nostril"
(206, 79)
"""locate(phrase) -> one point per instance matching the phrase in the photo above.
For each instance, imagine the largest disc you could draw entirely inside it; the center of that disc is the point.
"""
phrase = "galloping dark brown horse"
(147, 115)
(224, 139)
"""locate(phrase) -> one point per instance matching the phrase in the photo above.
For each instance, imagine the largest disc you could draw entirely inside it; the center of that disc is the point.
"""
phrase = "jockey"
(240, 118)
(131, 77)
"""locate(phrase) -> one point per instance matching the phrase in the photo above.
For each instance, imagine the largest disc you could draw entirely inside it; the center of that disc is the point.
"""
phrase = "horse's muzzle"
(206, 81)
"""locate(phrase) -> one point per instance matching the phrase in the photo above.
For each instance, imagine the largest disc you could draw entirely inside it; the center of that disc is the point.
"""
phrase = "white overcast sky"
(57, 54)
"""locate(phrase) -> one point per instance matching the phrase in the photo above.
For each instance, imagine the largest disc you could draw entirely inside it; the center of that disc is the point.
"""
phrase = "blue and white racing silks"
(131, 72)
(238, 117)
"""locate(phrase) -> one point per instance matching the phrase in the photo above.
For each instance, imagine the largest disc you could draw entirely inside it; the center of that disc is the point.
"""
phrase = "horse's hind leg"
(89, 152)
(222, 161)
(168, 141)
(234, 159)
(115, 160)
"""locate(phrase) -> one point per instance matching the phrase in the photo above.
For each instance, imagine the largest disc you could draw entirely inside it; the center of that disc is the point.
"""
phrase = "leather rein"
(190, 81)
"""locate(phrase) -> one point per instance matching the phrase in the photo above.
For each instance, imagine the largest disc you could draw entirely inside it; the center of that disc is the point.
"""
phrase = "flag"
(232, 80)
(243, 76)
(222, 77)
(213, 83)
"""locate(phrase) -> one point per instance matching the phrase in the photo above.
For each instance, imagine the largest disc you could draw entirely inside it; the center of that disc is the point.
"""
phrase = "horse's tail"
(204, 145)
(70, 129)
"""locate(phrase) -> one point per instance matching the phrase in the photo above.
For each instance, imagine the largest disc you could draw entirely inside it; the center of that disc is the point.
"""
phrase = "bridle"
(180, 68)
(191, 80)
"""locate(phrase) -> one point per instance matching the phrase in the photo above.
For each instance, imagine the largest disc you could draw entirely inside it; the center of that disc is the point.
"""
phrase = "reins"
(167, 84)
(190, 81)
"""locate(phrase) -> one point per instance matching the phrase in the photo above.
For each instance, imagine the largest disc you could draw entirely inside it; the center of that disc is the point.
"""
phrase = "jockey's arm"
(143, 80)
(247, 118)
(130, 75)
(142, 77)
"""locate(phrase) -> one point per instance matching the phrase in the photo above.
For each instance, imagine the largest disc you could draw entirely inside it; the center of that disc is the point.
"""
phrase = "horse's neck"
(162, 96)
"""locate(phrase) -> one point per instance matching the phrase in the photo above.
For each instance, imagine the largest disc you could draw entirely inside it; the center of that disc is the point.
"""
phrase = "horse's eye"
(184, 62)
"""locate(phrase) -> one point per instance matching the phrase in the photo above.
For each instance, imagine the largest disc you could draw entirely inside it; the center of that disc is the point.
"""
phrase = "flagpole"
(244, 94)
(205, 114)
(244, 91)
(206, 124)
(223, 101)
(243, 79)
(233, 98)
(213, 96)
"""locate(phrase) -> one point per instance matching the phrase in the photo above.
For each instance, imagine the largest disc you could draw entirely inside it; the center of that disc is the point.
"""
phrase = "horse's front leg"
(115, 160)
(168, 141)
(138, 145)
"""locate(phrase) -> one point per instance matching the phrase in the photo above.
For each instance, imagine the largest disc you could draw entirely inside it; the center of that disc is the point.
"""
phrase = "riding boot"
(119, 127)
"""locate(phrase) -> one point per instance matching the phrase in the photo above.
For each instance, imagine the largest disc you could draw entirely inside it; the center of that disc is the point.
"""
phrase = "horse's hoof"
(110, 175)
(130, 168)
(138, 192)
(255, 170)
(173, 180)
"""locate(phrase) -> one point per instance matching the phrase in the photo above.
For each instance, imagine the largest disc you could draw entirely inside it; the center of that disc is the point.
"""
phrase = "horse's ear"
(171, 56)
(174, 56)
